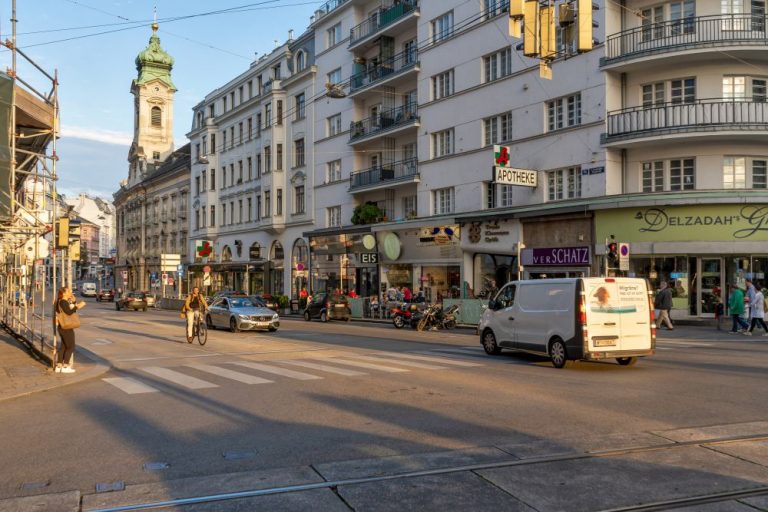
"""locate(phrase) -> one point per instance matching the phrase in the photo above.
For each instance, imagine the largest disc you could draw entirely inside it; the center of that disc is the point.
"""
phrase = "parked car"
(151, 300)
(590, 318)
(326, 306)
(88, 289)
(136, 301)
(221, 293)
(105, 296)
(241, 313)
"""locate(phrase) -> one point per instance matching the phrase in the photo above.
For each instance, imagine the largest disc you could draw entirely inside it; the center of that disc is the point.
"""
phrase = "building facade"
(152, 203)
(251, 181)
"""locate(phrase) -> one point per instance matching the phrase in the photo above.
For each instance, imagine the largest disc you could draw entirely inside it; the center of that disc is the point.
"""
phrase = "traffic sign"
(624, 256)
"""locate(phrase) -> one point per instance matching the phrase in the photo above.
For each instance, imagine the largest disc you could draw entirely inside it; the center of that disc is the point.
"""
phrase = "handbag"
(67, 321)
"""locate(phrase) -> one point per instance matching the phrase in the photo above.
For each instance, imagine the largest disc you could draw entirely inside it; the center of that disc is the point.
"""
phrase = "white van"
(88, 289)
(589, 318)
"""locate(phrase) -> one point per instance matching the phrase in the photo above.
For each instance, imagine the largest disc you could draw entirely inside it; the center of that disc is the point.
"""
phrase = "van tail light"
(581, 318)
(610, 280)
(652, 316)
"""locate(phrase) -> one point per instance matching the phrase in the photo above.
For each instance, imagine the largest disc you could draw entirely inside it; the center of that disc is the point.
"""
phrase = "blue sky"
(95, 73)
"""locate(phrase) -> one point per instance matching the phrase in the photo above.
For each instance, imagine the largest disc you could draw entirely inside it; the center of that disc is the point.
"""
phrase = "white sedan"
(241, 313)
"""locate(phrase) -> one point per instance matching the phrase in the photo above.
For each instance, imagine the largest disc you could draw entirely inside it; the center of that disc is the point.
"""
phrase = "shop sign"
(506, 175)
(439, 235)
(489, 232)
(368, 257)
(685, 223)
(556, 256)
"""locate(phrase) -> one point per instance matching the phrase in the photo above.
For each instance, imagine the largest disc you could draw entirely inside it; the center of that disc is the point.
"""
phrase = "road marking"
(285, 372)
(401, 363)
(442, 360)
(454, 352)
(178, 378)
(325, 368)
(100, 341)
(370, 366)
(686, 343)
(230, 374)
(129, 385)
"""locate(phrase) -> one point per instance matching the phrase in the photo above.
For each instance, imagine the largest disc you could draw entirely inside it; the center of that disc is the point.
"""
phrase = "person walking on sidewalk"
(663, 302)
(66, 319)
(758, 314)
(750, 296)
(736, 309)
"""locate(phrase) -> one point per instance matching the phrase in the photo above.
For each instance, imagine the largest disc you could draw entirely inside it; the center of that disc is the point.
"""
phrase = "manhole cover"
(156, 466)
(110, 486)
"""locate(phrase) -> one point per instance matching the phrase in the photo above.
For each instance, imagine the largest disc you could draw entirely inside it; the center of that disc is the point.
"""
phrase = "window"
(258, 166)
(240, 133)
(298, 199)
(197, 151)
(197, 219)
(156, 116)
(410, 52)
(224, 103)
(224, 139)
(203, 179)
(682, 174)
(250, 89)
(197, 185)
(232, 137)
(279, 157)
(267, 204)
(279, 201)
(759, 174)
(443, 200)
(267, 159)
(497, 65)
(493, 8)
(409, 206)
(240, 94)
(213, 143)
(205, 145)
(333, 171)
(334, 77)
(213, 179)
(249, 209)
(333, 216)
(300, 106)
(683, 91)
(497, 129)
(564, 112)
(232, 99)
(301, 60)
(442, 143)
(276, 72)
(239, 171)
(758, 90)
(224, 214)
(258, 124)
(734, 172)
(334, 125)
(442, 27)
(267, 116)
(334, 35)
(298, 150)
(231, 175)
(213, 215)
(653, 176)
(279, 119)
(155, 155)
(735, 7)
(250, 128)
(223, 177)
(734, 87)
(505, 195)
(250, 168)
(212, 111)
(258, 207)
(564, 183)
(442, 85)
(653, 94)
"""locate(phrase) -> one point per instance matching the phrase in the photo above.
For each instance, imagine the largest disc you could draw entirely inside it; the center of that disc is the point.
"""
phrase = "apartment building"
(252, 177)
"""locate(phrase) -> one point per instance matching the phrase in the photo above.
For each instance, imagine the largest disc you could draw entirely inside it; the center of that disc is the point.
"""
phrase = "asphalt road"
(314, 395)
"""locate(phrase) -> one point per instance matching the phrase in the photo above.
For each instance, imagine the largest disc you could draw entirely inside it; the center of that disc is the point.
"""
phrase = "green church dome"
(154, 63)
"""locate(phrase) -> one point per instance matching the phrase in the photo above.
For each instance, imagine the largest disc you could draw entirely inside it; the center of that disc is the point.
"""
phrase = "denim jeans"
(740, 321)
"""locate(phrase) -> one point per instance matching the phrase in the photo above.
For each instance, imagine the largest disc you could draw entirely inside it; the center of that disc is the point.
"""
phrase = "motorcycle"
(449, 316)
(402, 314)
(435, 317)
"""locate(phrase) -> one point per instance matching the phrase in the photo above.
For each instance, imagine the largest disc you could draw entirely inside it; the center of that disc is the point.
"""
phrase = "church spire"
(153, 62)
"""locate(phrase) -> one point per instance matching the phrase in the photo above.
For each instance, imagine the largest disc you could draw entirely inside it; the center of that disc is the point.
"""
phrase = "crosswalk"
(316, 368)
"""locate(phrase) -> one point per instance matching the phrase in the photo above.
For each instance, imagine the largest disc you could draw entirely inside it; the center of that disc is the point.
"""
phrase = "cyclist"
(193, 307)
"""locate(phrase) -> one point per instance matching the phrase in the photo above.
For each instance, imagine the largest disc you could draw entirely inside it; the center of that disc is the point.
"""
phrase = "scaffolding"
(28, 202)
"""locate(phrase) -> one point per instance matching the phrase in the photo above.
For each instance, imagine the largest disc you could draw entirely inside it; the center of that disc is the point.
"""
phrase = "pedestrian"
(407, 295)
(750, 296)
(736, 309)
(67, 320)
(663, 303)
(758, 314)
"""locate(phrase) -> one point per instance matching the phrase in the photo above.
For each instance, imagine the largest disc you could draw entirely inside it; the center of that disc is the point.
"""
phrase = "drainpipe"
(623, 151)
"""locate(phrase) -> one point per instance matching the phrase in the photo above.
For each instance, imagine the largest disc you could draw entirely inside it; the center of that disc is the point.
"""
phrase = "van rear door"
(618, 316)
(636, 319)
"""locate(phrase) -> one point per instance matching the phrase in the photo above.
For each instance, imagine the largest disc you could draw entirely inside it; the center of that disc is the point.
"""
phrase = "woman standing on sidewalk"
(65, 305)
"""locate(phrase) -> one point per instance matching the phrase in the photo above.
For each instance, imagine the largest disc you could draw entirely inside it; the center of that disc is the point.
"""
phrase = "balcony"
(386, 176)
(739, 119)
(390, 72)
(328, 7)
(694, 38)
(385, 21)
(388, 122)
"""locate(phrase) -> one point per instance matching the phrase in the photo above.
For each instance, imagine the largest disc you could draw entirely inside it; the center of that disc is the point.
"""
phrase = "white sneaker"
(57, 369)
(67, 369)
(747, 333)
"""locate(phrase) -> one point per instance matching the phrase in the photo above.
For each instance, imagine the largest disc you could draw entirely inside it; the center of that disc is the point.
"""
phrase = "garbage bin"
(294, 306)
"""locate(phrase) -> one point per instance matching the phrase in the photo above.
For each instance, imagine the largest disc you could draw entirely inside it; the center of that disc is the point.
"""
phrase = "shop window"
(491, 272)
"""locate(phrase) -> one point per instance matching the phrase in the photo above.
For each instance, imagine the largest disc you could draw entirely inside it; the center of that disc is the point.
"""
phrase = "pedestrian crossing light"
(612, 250)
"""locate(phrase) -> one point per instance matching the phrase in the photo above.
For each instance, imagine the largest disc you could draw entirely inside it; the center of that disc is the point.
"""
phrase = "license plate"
(262, 324)
(605, 342)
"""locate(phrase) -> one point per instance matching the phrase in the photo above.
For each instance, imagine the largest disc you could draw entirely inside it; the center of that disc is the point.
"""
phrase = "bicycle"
(199, 330)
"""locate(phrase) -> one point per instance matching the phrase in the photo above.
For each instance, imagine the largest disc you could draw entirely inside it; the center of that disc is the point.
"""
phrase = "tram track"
(334, 484)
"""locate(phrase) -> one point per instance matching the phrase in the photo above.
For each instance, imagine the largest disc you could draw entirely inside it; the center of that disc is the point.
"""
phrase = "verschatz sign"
(504, 174)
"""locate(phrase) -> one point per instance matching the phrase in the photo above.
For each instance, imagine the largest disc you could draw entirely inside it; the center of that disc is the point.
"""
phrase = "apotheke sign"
(556, 256)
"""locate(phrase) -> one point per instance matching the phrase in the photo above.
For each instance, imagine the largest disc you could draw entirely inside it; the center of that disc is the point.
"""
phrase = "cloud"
(96, 135)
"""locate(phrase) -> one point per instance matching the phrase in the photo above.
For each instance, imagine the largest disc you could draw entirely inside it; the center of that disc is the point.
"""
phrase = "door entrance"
(710, 285)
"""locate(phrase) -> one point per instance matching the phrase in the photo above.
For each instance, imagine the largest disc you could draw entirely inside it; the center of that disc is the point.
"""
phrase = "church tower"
(153, 92)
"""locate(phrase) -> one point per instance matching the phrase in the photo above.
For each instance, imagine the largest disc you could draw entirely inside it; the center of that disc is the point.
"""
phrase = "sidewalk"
(22, 373)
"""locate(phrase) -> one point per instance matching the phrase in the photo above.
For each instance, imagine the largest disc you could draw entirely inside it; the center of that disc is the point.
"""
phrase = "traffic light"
(531, 28)
(547, 32)
(62, 233)
(612, 251)
(584, 23)
(516, 11)
(74, 240)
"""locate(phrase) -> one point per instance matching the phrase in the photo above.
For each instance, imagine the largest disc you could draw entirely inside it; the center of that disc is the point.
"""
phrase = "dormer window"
(301, 60)
(155, 155)
(156, 116)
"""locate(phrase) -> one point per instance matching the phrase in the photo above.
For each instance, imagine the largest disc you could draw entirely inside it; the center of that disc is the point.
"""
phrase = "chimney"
(290, 35)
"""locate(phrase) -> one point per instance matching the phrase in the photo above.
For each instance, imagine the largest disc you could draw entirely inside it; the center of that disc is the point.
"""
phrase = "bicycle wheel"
(202, 333)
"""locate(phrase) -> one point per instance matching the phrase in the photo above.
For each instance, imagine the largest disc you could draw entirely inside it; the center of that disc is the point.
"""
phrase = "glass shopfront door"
(710, 285)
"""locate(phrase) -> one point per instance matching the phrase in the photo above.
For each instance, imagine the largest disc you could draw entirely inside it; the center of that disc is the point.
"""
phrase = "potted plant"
(283, 302)
(367, 213)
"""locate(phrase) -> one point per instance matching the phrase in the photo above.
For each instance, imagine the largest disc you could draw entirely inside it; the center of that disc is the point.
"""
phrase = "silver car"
(241, 313)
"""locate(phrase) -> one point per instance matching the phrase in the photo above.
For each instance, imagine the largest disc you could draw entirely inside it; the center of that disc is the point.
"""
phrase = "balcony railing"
(687, 33)
(386, 120)
(387, 173)
(329, 6)
(400, 62)
(705, 115)
(383, 17)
